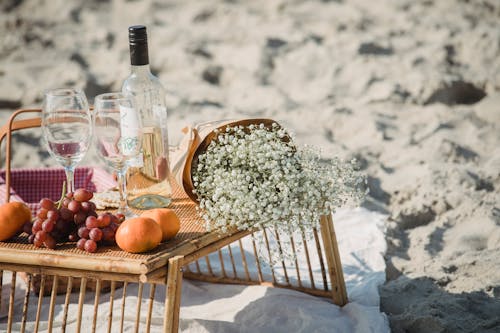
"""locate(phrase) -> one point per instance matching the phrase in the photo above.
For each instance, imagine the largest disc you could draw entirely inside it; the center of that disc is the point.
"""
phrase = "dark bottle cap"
(138, 42)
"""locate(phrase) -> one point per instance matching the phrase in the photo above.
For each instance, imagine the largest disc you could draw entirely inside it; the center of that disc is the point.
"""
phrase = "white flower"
(257, 178)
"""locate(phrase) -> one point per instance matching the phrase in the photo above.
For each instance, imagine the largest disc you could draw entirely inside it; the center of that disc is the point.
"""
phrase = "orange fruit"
(13, 216)
(167, 220)
(137, 235)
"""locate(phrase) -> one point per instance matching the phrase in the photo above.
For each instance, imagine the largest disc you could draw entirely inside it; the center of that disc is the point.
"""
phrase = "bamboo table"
(67, 269)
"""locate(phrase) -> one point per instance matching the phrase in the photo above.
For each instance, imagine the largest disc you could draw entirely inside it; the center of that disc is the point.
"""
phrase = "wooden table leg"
(339, 293)
(173, 295)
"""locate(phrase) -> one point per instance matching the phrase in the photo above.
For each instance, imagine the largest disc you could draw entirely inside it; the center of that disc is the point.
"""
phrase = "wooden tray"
(191, 236)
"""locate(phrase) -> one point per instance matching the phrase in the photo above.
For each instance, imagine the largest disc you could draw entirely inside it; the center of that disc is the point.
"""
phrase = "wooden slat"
(53, 295)
(12, 299)
(231, 258)
(297, 270)
(269, 254)
(321, 261)
(40, 299)
(339, 294)
(150, 306)
(26, 303)
(244, 260)
(308, 259)
(138, 307)
(257, 260)
(69, 288)
(111, 302)
(209, 266)
(172, 295)
(1, 286)
(81, 300)
(222, 267)
(96, 304)
(124, 296)
(282, 254)
(198, 268)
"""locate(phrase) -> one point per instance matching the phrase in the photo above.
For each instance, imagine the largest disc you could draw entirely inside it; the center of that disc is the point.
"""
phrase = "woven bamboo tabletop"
(191, 237)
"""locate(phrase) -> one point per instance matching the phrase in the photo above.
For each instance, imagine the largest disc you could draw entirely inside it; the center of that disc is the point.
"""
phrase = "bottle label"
(160, 113)
(130, 135)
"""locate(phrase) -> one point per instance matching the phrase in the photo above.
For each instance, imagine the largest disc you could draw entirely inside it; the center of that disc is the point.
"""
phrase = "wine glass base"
(127, 212)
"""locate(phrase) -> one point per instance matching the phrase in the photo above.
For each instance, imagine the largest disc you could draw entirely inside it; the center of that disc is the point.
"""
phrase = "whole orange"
(137, 235)
(13, 215)
(167, 219)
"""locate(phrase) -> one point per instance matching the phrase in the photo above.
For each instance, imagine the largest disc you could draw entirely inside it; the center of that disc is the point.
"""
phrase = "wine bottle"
(148, 176)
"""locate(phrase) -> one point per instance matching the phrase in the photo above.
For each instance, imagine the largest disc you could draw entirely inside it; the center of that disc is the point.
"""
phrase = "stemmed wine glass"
(118, 136)
(67, 128)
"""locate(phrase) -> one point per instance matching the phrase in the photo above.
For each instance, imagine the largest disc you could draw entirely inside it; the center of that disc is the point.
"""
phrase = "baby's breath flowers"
(254, 177)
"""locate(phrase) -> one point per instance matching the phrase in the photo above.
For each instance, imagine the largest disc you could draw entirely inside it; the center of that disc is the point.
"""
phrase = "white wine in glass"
(67, 128)
(118, 137)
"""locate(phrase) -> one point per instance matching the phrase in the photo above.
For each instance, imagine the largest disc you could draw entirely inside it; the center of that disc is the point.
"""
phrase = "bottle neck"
(139, 53)
(140, 70)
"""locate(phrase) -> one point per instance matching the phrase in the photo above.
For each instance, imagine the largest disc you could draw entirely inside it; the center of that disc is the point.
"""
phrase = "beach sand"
(410, 88)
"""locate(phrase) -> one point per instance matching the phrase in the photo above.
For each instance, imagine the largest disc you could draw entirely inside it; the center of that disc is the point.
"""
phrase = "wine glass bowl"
(117, 137)
(66, 128)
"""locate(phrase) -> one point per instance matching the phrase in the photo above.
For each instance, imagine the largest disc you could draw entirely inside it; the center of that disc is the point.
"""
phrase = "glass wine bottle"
(148, 176)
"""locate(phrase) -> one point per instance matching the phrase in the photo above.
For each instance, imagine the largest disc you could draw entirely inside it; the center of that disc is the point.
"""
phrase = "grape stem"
(63, 194)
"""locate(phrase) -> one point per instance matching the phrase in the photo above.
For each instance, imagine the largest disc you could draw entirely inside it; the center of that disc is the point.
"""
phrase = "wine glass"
(66, 128)
(117, 130)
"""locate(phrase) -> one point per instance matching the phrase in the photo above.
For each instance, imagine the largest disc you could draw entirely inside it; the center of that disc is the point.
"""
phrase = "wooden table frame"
(168, 267)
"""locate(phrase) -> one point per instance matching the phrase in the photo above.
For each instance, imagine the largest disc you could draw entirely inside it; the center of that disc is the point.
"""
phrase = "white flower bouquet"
(250, 175)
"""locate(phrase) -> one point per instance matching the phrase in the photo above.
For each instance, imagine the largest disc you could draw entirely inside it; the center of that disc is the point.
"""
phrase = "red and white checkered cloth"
(31, 185)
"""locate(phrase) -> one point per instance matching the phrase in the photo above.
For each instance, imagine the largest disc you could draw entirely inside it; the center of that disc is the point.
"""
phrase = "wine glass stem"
(122, 189)
(70, 180)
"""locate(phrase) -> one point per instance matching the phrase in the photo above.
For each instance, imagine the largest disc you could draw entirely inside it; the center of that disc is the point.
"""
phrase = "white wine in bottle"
(148, 177)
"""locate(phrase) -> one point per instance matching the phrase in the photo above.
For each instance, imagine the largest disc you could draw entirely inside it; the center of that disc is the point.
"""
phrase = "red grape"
(74, 206)
(92, 206)
(108, 234)
(37, 225)
(92, 213)
(37, 242)
(61, 225)
(48, 225)
(104, 220)
(66, 202)
(95, 234)
(120, 217)
(53, 215)
(31, 238)
(58, 235)
(83, 232)
(82, 195)
(81, 244)
(73, 237)
(40, 235)
(79, 218)
(113, 226)
(42, 213)
(50, 242)
(114, 219)
(85, 206)
(47, 204)
(27, 228)
(66, 214)
(69, 195)
(90, 246)
(92, 222)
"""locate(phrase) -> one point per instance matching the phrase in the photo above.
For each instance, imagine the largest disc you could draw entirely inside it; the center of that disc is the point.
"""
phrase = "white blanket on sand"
(209, 307)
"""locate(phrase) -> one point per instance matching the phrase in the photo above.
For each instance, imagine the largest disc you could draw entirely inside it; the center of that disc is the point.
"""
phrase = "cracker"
(107, 199)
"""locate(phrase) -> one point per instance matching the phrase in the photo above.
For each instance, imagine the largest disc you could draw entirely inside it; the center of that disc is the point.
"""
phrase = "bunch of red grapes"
(72, 219)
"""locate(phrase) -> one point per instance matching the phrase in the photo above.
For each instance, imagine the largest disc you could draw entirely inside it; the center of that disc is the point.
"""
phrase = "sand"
(410, 88)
